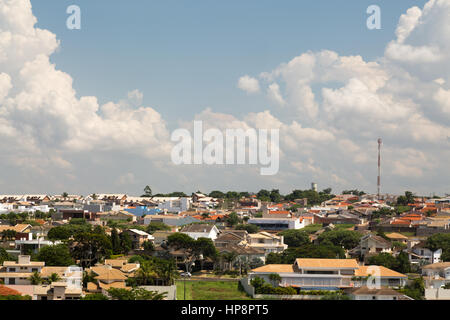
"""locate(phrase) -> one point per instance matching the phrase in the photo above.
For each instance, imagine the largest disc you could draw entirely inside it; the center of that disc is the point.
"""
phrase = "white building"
(175, 205)
(196, 231)
(278, 223)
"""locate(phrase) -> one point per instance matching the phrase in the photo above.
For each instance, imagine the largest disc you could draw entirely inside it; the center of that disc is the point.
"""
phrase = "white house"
(278, 223)
(419, 254)
(175, 205)
(196, 231)
(267, 242)
(436, 275)
(327, 274)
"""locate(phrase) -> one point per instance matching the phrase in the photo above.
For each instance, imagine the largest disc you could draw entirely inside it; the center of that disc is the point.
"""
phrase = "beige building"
(18, 273)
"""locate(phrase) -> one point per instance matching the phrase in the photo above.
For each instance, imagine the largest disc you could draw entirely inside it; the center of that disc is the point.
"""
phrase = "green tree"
(115, 242)
(346, 238)
(217, 194)
(54, 277)
(95, 296)
(90, 247)
(148, 246)
(135, 294)
(295, 238)
(275, 195)
(275, 278)
(35, 278)
(263, 195)
(126, 244)
(321, 251)
(57, 255)
(8, 234)
(147, 192)
(232, 219)
(4, 256)
(250, 228)
(156, 226)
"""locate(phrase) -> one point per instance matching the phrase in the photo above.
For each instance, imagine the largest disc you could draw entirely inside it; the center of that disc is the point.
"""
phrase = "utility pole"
(379, 168)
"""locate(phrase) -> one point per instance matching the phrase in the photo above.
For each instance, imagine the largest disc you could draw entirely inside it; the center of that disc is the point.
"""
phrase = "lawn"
(343, 226)
(312, 228)
(210, 290)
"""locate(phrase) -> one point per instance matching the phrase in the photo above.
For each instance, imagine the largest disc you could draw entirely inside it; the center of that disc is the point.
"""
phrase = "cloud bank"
(334, 109)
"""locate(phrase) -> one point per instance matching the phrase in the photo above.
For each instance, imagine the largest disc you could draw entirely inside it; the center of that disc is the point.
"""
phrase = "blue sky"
(311, 69)
(185, 56)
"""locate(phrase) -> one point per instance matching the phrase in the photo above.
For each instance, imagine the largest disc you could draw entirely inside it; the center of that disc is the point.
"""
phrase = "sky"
(92, 110)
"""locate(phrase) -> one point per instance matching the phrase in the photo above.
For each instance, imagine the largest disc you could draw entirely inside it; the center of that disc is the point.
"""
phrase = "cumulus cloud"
(346, 103)
(42, 119)
(248, 84)
(334, 109)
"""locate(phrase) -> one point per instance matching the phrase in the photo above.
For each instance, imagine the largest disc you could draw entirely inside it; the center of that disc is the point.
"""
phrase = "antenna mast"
(379, 168)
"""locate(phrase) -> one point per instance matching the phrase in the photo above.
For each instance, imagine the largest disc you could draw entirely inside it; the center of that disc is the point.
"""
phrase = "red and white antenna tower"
(379, 168)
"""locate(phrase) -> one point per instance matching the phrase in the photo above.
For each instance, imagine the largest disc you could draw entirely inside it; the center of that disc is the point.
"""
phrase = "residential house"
(231, 238)
(57, 291)
(394, 236)
(107, 277)
(18, 273)
(436, 275)
(419, 254)
(267, 242)
(277, 224)
(383, 293)
(371, 245)
(161, 236)
(138, 237)
(198, 230)
(246, 256)
(326, 274)
(174, 204)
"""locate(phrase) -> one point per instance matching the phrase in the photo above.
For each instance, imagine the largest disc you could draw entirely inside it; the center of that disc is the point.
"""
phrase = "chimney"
(24, 259)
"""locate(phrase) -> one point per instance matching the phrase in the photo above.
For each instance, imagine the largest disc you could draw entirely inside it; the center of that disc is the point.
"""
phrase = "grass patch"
(312, 228)
(343, 226)
(210, 290)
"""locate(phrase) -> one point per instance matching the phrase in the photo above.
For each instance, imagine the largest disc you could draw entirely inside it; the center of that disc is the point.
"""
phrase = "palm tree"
(167, 271)
(229, 258)
(35, 278)
(146, 274)
(54, 277)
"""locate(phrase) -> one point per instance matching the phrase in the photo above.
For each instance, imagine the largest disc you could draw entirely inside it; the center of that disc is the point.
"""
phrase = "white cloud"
(248, 84)
(274, 94)
(334, 109)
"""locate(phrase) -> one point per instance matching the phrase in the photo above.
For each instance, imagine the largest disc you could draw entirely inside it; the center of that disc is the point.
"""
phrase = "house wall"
(371, 297)
(171, 290)
(437, 294)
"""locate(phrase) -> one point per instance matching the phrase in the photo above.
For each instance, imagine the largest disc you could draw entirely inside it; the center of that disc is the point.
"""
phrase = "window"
(374, 298)
(12, 269)
(34, 270)
(12, 280)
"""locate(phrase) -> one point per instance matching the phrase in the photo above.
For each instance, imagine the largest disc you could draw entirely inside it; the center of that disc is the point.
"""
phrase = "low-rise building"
(277, 224)
(138, 237)
(267, 242)
(328, 274)
(18, 273)
(198, 230)
(436, 275)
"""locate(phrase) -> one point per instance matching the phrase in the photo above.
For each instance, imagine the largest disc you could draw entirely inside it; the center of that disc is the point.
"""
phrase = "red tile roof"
(5, 291)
